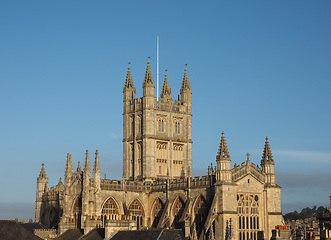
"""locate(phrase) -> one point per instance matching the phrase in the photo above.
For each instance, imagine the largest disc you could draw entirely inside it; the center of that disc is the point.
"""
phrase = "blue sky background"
(257, 68)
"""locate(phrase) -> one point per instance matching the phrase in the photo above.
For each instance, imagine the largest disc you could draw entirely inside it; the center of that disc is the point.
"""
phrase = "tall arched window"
(77, 211)
(109, 209)
(200, 213)
(137, 210)
(178, 209)
(248, 216)
(157, 212)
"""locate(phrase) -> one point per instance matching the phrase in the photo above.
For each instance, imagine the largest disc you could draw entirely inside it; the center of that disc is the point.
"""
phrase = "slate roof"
(71, 234)
(32, 226)
(11, 230)
(151, 234)
(95, 234)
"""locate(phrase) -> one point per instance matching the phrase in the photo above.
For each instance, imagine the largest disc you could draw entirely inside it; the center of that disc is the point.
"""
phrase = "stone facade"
(157, 190)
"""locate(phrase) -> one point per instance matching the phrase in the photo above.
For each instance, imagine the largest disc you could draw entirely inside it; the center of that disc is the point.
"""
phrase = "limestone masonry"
(157, 190)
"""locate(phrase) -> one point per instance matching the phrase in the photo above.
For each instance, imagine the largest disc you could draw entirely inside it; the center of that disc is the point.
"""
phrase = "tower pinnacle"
(223, 149)
(128, 81)
(166, 91)
(42, 172)
(186, 82)
(148, 76)
(267, 155)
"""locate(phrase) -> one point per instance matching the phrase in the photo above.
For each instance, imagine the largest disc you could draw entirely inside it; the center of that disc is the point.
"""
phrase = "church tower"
(157, 135)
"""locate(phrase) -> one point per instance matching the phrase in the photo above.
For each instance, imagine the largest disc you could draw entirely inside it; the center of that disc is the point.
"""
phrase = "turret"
(268, 164)
(166, 91)
(96, 182)
(129, 92)
(42, 188)
(186, 92)
(223, 163)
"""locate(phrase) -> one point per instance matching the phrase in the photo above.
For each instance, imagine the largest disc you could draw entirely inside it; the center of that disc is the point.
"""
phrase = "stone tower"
(157, 135)
(42, 188)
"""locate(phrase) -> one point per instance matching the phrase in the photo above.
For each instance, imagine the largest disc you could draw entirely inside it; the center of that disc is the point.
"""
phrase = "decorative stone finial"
(247, 156)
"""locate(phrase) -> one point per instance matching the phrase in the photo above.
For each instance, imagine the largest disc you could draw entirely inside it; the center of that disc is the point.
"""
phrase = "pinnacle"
(96, 162)
(87, 163)
(223, 149)
(128, 81)
(148, 76)
(69, 164)
(186, 82)
(267, 155)
(42, 172)
(166, 91)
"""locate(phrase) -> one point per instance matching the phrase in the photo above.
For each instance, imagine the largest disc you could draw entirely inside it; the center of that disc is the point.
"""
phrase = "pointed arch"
(157, 209)
(109, 209)
(199, 213)
(77, 210)
(177, 209)
(136, 208)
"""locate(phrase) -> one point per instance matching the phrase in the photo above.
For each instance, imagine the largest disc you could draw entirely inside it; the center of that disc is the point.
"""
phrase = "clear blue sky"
(257, 68)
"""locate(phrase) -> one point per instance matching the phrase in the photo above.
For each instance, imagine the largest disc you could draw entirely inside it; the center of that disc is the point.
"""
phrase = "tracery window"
(157, 212)
(108, 210)
(161, 123)
(77, 211)
(200, 213)
(248, 216)
(177, 125)
(135, 208)
(178, 210)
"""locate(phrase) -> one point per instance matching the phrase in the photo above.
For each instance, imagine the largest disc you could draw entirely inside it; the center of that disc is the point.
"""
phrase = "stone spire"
(223, 163)
(87, 168)
(128, 81)
(42, 174)
(166, 91)
(69, 169)
(185, 83)
(148, 76)
(223, 149)
(267, 155)
(268, 164)
(96, 168)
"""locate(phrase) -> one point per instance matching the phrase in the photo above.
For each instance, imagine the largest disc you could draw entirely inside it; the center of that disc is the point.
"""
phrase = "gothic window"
(139, 159)
(177, 125)
(161, 123)
(200, 213)
(177, 156)
(178, 209)
(136, 209)
(77, 211)
(161, 158)
(109, 209)
(157, 212)
(248, 216)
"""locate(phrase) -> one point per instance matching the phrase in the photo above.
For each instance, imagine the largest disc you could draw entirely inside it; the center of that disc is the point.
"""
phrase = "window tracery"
(157, 212)
(248, 216)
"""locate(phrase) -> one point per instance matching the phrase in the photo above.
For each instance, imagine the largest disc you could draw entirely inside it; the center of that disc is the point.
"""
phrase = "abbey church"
(157, 190)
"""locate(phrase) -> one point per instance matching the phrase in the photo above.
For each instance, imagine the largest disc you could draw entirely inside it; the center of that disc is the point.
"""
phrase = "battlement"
(242, 170)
